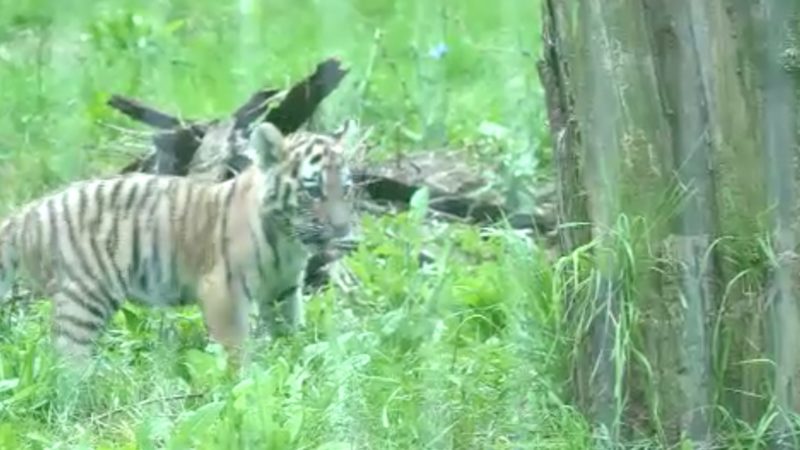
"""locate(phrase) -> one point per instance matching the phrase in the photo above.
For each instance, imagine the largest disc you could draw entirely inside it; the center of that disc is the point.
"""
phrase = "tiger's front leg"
(283, 312)
(292, 310)
(225, 311)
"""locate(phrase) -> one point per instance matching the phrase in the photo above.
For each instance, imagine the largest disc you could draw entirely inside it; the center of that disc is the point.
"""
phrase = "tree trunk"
(676, 134)
(779, 88)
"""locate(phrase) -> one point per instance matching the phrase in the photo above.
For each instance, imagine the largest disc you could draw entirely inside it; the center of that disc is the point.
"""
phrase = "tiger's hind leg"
(80, 316)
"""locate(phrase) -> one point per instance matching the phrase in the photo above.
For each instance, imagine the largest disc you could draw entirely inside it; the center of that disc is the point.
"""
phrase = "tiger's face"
(324, 202)
(315, 190)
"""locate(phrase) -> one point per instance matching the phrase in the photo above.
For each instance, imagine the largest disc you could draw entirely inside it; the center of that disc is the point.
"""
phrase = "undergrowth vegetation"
(463, 352)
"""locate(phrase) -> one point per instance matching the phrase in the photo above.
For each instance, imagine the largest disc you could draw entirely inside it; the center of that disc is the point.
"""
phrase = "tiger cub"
(165, 240)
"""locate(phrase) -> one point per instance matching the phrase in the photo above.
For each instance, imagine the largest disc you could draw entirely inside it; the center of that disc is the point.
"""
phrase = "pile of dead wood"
(212, 149)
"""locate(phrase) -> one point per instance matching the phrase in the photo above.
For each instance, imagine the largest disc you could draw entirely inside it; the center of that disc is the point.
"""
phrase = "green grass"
(466, 353)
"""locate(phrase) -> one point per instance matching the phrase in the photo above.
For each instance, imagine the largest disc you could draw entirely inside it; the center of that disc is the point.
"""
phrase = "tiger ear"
(266, 142)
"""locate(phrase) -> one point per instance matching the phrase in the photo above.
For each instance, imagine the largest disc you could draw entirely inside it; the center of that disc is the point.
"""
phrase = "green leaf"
(294, 424)
(195, 423)
(419, 204)
(175, 25)
(9, 384)
(202, 367)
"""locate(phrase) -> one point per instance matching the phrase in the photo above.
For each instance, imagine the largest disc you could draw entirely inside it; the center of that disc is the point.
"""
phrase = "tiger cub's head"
(308, 180)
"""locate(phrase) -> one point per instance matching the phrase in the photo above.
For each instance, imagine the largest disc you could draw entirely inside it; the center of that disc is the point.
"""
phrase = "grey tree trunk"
(779, 121)
(677, 138)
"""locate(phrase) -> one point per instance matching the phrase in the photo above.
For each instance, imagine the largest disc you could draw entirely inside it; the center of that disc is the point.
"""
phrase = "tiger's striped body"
(163, 241)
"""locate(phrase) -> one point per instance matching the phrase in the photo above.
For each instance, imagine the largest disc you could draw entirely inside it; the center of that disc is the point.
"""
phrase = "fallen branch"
(303, 98)
(253, 108)
(176, 145)
(142, 113)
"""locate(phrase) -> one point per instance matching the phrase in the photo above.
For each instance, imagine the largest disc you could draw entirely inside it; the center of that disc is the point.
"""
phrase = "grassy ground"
(464, 354)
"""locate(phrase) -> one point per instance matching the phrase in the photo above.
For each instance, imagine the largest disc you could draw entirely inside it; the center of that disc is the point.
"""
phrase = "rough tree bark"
(681, 113)
(779, 119)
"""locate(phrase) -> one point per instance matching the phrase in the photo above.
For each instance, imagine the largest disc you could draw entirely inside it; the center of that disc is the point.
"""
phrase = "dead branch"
(175, 148)
(143, 113)
(303, 98)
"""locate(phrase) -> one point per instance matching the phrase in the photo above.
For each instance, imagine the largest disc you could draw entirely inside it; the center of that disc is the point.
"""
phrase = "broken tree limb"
(253, 108)
(143, 113)
(178, 141)
(303, 98)
(172, 152)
